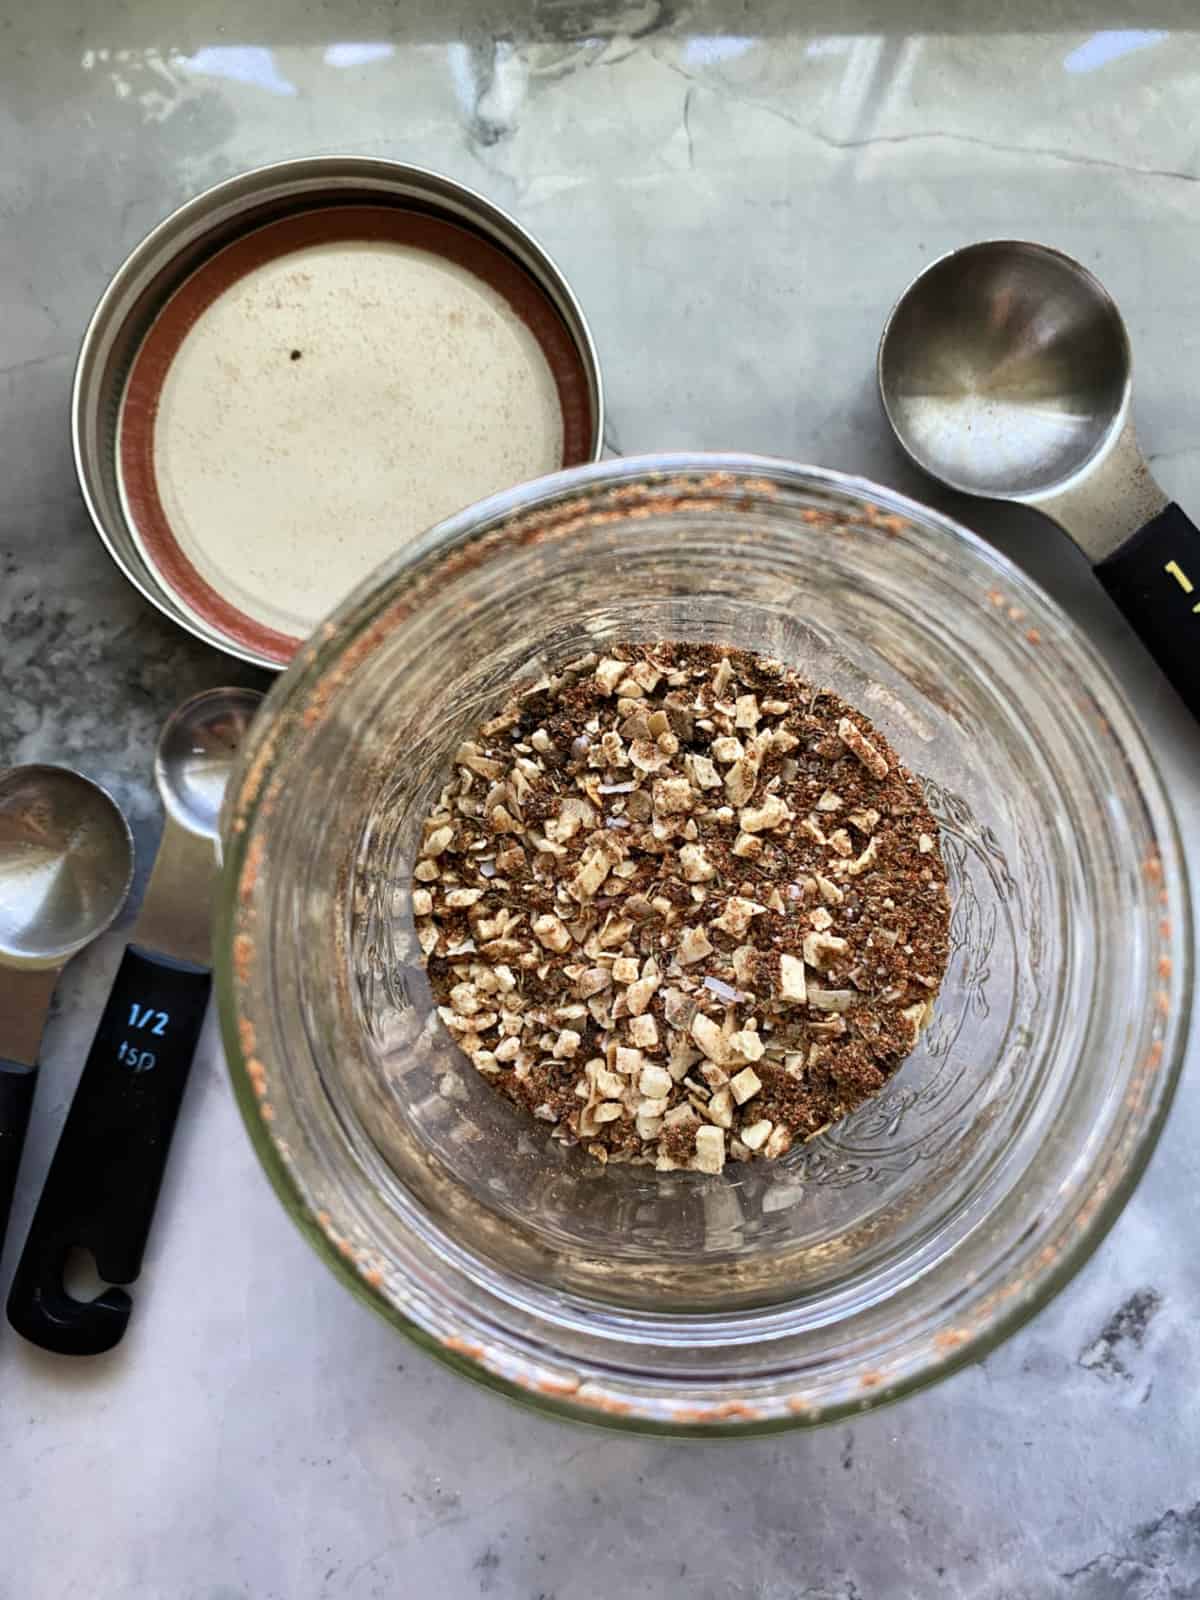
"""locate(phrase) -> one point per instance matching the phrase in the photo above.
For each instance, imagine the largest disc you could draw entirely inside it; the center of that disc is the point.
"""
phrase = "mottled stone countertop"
(737, 192)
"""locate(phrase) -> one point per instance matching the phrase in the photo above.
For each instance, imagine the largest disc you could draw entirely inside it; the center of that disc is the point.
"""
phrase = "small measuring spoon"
(66, 863)
(104, 1180)
(1005, 372)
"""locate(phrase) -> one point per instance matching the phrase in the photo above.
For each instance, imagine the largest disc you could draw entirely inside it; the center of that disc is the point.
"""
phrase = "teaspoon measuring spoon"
(104, 1180)
(66, 863)
(1005, 372)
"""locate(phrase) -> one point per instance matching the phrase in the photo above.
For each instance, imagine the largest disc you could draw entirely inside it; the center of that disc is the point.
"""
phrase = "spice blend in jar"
(681, 905)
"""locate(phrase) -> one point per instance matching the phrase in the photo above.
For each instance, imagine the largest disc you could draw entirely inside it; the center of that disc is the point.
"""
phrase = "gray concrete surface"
(737, 192)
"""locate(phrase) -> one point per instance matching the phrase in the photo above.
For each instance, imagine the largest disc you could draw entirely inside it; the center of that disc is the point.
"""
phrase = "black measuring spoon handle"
(1155, 579)
(17, 1084)
(104, 1180)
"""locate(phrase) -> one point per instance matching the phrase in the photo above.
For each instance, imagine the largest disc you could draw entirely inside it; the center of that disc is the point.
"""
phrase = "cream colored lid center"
(334, 403)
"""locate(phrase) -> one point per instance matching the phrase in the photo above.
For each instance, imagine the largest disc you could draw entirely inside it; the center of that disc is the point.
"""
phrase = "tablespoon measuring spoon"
(104, 1180)
(66, 863)
(1005, 372)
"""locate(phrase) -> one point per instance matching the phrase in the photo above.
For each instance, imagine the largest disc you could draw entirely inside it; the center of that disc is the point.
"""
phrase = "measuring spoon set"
(66, 864)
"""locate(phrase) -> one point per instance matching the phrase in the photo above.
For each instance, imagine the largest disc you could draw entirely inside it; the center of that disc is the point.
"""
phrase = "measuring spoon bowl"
(66, 863)
(196, 752)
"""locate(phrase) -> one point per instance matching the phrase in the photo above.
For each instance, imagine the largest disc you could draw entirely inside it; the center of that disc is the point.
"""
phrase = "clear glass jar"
(904, 1241)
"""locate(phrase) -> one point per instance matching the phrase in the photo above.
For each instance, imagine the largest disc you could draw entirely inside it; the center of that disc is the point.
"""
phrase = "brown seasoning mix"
(680, 904)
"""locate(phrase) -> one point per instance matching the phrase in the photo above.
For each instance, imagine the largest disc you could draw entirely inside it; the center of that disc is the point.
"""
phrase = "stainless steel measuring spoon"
(66, 863)
(104, 1180)
(1005, 372)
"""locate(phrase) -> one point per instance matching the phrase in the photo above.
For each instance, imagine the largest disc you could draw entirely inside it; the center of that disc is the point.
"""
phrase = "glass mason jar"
(899, 1244)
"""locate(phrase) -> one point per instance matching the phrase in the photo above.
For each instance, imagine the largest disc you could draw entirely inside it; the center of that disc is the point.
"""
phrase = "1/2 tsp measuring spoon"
(66, 863)
(1005, 372)
(104, 1180)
